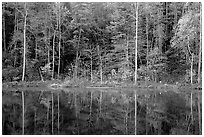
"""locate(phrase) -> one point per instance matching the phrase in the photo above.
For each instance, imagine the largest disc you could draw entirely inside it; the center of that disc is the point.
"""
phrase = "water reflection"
(101, 111)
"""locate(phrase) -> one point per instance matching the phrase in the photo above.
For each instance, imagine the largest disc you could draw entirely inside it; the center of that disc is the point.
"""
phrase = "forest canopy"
(98, 41)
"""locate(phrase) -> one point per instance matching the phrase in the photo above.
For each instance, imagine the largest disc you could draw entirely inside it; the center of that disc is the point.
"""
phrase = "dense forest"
(101, 42)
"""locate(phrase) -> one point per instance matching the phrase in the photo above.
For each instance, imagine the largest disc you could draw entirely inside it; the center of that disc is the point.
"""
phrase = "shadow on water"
(100, 111)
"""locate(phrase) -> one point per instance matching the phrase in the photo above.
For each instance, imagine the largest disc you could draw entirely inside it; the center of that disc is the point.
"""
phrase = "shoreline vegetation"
(57, 84)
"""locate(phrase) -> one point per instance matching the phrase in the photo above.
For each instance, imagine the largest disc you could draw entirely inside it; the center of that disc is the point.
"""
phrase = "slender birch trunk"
(59, 41)
(192, 55)
(199, 64)
(192, 68)
(24, 43)
(147, 39)
(47, 36)
(200, 50)
(136, 26)
(53, 56)
(48, 47)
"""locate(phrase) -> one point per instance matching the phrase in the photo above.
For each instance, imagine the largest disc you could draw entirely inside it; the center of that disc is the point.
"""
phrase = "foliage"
(166, 30)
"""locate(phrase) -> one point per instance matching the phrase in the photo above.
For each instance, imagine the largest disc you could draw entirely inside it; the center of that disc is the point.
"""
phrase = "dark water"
(100, 112)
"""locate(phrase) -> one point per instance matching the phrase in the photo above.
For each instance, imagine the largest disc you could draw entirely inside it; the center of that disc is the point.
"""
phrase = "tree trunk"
(15, 30)
(191, 61)
(48, 46)
(24, 43)
(76, 66)
(59, 42)
(136, 23)
(147, 38)
(166, 25)
(159, 30)
(4, 29)
(100, 67)
(127, 57)
(63, 59)
(41, 76)
(192, 68)
(200, 50)
(53, 56)
(77, 56)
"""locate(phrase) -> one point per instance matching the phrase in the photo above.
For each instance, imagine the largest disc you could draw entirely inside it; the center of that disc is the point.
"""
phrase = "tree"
(4, 28)
(136, 14)
(59, 48)
(24, 40)
(200, 49)
(187, 34)
(157, 64)
(53, 56)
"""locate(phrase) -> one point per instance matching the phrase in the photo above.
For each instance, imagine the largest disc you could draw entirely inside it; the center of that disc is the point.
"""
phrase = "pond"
(100, 111)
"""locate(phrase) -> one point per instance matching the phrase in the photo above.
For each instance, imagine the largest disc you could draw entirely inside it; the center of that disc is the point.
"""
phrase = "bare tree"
(59, 14)
(53, 56)
(24, 43)
(200, 49)
(136, 23)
